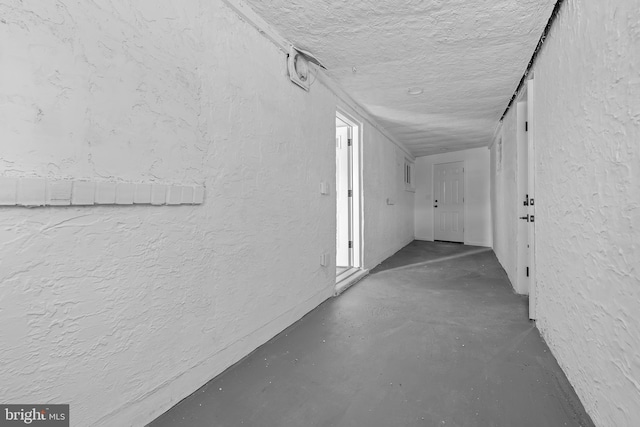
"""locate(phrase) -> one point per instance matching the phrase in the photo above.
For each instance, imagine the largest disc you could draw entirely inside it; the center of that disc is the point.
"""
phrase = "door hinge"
(526, 126)
(349, 142)
(527, 271)
(350, 193)
(350, 244)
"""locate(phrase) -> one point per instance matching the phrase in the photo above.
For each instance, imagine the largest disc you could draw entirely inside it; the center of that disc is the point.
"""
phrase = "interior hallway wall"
(504, 195)
(477, 214)
(387, 227)
(587, 159)
(122, 311)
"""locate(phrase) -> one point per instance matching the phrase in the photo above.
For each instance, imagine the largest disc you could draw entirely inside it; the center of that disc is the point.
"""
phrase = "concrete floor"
(434, 336)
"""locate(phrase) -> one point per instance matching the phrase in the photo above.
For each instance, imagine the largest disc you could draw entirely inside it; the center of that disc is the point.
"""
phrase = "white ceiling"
(467, 55)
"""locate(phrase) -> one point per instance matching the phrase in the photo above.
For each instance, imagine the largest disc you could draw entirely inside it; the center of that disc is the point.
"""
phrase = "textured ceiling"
(467, 55)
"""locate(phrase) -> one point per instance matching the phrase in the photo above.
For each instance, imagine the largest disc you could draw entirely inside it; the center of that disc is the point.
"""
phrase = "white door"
(342, 197)
(448, 201)
(531, 207)
(522, 241)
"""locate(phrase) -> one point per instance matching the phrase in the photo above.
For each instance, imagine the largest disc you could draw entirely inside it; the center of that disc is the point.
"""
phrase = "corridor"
(433, 336)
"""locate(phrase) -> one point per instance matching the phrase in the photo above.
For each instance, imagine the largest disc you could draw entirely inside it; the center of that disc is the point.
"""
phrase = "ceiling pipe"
(543, 37)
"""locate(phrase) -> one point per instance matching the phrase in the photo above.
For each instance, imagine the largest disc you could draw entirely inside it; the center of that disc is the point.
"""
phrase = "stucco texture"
(587, 159)
(466, 56)
(123, 311)
(505, 201)
(387, 228)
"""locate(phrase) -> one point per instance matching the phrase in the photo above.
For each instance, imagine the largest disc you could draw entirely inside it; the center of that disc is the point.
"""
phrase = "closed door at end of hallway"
(448, 201)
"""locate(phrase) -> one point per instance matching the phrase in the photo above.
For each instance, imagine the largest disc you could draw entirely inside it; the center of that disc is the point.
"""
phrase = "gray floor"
(434, 336)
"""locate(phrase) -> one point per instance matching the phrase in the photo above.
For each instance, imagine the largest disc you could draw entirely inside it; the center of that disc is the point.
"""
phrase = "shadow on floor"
(418, 252)
(435, 337)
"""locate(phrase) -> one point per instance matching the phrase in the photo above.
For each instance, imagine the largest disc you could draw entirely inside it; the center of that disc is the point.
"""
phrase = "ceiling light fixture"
(415, 91)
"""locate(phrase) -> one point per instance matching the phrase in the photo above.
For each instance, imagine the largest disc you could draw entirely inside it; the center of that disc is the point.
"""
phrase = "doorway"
(348, 202)
(531, 208)
(525, 271)
(448, 202)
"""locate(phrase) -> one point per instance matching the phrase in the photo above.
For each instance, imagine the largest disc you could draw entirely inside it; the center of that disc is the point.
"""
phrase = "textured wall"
(505, 201)
(477, 215)
(587, 159)
(387, 228)
(123, 311)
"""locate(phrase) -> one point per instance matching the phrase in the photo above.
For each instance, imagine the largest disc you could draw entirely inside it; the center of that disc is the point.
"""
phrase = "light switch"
(198, 195)
(8, 191)
(324, 188)
(324, 259)
(187, 195)
(32, 191)
(174, 195)
(83, 193)
(124, 193)
(142, 194)
(106, 193)
(59, 193)
(158, 194)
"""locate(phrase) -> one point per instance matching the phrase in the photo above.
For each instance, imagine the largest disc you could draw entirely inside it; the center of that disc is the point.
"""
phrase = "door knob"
(526, 217)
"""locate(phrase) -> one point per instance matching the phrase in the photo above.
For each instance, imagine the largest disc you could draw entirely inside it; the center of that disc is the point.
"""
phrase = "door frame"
(532, 206)
(464, 204)
(356, 214)
(522, 199)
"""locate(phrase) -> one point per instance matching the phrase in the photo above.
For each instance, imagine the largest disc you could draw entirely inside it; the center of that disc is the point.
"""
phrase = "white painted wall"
(504, 197)
(477, 217)
(387, 227)
(587, 160)
(123, 311)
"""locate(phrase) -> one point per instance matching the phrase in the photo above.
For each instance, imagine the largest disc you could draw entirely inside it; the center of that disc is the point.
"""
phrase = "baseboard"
(159, 400)
(483, 244)
(468, 242)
